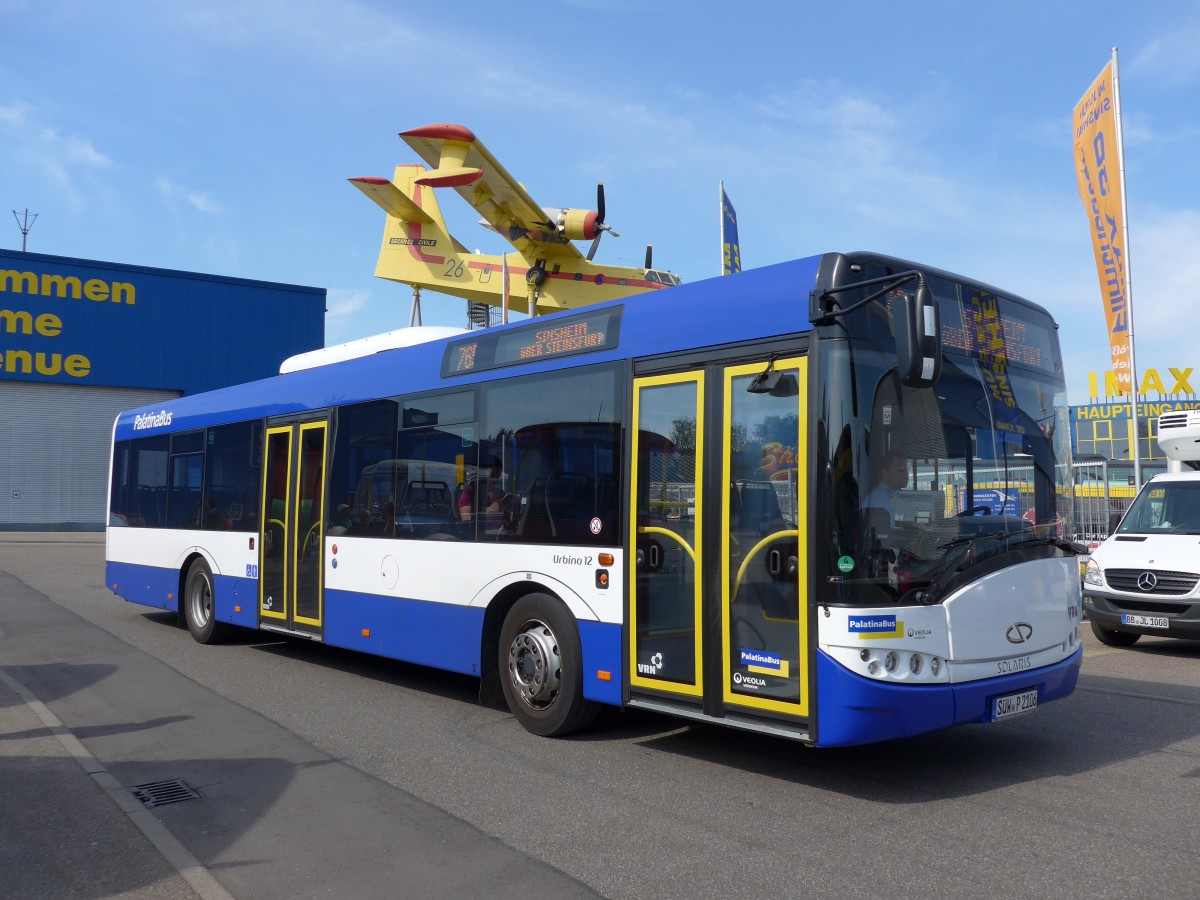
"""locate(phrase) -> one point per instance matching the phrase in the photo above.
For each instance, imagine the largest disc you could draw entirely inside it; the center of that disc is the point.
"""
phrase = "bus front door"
(716, 616)
(292, 539)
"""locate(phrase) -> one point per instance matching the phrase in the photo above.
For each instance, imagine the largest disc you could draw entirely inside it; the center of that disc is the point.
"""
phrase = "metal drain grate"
(159, 793)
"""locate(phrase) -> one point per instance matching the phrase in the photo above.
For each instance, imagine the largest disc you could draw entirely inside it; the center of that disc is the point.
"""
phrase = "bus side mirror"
(917, 329)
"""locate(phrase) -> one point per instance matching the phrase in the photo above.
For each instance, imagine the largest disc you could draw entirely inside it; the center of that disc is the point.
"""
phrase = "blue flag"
(731, 252)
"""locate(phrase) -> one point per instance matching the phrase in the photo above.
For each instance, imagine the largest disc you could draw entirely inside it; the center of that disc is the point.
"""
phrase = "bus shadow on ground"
(1106, 721)
(379, 669)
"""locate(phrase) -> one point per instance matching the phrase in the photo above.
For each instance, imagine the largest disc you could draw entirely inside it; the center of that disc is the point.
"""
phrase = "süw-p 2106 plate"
(1014, 704)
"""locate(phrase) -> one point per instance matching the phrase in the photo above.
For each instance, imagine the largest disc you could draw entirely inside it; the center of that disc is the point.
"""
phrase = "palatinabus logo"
(1019, 632)
(875, 627)
(160, 419)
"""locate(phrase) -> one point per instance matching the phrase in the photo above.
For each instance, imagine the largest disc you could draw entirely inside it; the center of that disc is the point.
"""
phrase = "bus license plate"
(1014, 704)
(1145, 621)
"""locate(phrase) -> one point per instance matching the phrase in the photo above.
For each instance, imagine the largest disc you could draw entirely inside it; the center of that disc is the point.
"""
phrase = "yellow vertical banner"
(1097, 168)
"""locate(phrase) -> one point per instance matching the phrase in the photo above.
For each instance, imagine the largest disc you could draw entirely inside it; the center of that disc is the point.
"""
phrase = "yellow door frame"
(318, 525)
(728, 576)
(268, 520)
(696, 377)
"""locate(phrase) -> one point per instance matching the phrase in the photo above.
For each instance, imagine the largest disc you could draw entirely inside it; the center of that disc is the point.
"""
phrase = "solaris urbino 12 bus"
(823, 499)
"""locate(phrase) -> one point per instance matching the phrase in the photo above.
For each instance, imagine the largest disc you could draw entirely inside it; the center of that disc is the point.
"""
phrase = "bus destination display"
(547, 338)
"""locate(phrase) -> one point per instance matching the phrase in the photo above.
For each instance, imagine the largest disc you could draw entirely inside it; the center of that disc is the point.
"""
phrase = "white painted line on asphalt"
(189, 868)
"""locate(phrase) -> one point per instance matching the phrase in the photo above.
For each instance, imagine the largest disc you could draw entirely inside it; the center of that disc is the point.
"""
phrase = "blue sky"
(217, 136)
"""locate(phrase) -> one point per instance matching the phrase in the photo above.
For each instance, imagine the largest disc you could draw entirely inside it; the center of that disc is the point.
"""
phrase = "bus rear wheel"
(199, 605)
(541, 667)
(1114, 638)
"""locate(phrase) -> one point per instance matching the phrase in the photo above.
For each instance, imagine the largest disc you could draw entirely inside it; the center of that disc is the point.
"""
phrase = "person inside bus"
(880, 505)
(893, 556)
(214, 519)
(361, 523)
(342, 520)
(484, 499)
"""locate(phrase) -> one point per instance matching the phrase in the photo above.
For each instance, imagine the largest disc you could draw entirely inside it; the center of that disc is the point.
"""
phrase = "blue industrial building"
(81, 340)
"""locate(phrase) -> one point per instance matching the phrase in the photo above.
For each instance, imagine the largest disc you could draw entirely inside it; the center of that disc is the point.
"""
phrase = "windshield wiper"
(1012, 538)
(943, 574)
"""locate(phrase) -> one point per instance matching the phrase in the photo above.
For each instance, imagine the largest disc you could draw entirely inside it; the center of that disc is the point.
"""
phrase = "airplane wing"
(459, 160)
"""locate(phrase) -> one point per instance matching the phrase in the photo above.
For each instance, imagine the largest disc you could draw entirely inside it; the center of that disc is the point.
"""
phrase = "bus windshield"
(926, 489)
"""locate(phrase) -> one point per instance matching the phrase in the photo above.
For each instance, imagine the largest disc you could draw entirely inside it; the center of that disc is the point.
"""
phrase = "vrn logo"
(653, 667)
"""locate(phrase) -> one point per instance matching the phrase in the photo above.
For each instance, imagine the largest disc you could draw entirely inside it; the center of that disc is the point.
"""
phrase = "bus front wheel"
(199, 605)
(541, 667)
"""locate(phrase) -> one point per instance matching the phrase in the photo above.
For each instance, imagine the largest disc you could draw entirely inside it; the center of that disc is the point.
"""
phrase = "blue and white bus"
(749, 501)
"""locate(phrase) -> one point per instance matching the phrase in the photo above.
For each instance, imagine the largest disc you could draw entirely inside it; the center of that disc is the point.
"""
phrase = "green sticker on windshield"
(846, 564)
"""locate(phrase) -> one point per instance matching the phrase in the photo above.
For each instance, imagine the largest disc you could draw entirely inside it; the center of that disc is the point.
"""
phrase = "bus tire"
(541, 667)
(1114, 638)
(199, 605)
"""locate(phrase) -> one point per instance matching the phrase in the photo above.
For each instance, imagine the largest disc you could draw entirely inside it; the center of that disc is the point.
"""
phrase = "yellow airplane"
(547, 272)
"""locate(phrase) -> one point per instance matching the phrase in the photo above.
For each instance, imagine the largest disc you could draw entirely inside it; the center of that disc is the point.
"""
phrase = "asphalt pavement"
(86, 720)
(67, 828)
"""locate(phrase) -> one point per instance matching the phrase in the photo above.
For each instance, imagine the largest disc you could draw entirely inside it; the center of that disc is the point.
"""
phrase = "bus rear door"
(292, 536)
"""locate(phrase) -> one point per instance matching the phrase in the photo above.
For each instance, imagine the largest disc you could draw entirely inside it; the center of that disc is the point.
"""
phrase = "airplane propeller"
(599, 224)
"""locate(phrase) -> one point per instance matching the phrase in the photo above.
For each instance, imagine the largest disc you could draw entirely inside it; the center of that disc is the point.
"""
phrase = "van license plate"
(1014, 704)
(1145, 621)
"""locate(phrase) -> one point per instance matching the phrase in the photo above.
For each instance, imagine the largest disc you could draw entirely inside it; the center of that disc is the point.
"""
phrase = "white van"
(1145, 577)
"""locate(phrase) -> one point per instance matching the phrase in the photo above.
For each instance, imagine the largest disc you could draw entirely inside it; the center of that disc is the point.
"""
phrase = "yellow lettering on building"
(61, 285)
(1152, 381)
(18, 282)
(67, 287)
(95, 289)
(19, 321)
(77, 366)
(1112, 385)
(25, 362)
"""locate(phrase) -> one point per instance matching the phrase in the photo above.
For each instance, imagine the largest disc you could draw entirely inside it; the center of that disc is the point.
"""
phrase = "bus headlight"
(900, 666)
(1092, 574)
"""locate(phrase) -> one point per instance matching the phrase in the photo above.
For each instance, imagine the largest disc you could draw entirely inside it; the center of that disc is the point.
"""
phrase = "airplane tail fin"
(417, 247)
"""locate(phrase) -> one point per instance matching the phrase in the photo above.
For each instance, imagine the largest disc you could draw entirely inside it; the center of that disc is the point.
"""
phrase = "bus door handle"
(780, 565)
(775, 563)
(649, 557)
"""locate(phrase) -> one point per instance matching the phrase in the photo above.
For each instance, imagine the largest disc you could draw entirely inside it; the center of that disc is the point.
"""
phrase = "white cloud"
(342, 305)
(30, 144)
(174, 194)
(14, 116)
(1172, 58)
(45, 143)
(321, 31)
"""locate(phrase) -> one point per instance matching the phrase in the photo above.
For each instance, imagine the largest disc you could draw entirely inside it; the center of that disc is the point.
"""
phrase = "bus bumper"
(856, 710)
